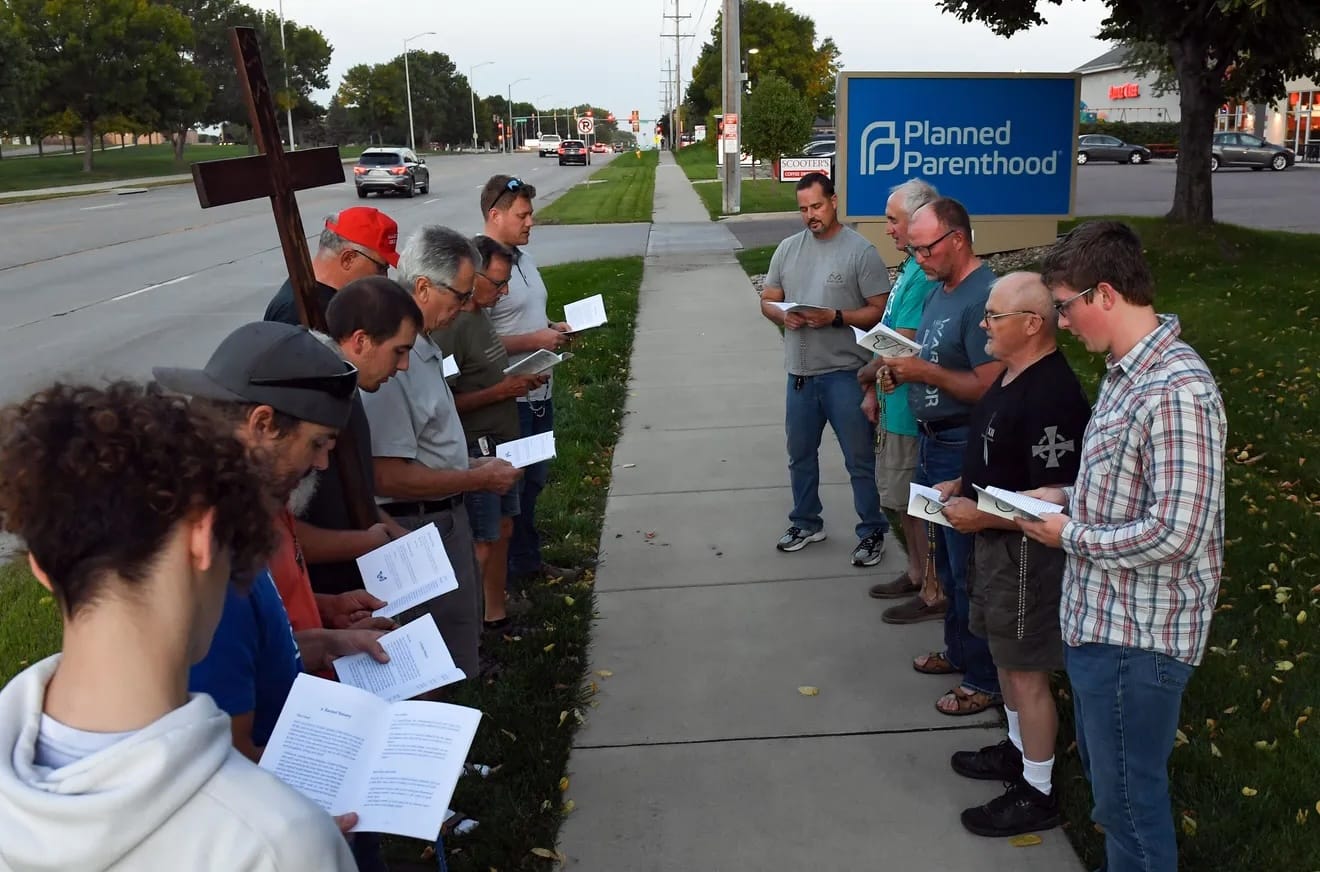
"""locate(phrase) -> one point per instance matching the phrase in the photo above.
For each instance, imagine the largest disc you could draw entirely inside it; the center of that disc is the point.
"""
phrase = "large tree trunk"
(180, 140)
(88, 137)
(1200, 94)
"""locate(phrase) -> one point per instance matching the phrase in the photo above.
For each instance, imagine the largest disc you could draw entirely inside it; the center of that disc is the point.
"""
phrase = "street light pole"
(472, 97)
(509, 127)
(407, 85)
(287, 95)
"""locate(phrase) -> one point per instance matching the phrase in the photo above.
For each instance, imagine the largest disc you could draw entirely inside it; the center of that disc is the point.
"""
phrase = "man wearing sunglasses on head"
(419, 450)
(357, 243)
(521, 321)
(948, 377)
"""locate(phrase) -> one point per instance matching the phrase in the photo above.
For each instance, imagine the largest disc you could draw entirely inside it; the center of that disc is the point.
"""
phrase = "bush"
(1136, 132)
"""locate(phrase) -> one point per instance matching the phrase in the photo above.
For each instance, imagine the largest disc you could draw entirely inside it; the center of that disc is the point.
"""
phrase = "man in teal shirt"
(896, 433)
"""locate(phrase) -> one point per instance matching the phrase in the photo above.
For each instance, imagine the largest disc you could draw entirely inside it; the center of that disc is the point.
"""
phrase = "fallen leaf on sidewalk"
(630, 466)
(547, 854)
(563, 784)
(808, 690)
(1189, 825)
(1027, 841)
(1249, 791)
(604, 673)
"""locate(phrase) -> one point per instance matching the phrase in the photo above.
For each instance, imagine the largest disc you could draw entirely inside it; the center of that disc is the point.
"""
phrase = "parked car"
(619, 147)
(574, 151)
(1245, 150)
(1100, 146)
(396, 170)
(599, 148)
(549, 145)
(819, 148)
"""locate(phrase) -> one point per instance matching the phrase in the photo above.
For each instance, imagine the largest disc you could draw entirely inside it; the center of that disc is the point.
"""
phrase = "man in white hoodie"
(135, 508)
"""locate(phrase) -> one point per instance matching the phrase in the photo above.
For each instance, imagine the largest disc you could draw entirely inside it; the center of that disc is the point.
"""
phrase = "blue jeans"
(834, 398)
(525, 546)
(1127, 702)
(940, 458)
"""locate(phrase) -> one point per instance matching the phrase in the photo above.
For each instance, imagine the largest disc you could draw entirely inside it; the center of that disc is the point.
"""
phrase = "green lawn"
(113, 164)
(698, 161)
(533, 710)
(1242, 782)
(761, 195)
(622, 192)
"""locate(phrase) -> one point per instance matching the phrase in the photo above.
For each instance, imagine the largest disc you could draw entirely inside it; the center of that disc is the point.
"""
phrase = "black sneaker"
(795, 539)
(869, 551)
(1002, 762)
(1021, 809)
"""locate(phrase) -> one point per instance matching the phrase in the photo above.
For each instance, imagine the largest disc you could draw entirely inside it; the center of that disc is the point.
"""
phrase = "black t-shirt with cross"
(1028, 433)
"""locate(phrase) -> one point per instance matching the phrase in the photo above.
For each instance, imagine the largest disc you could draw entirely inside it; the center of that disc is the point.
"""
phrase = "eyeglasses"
(498, 285)
(463, 296)
(1061, 306)
(995, 316)
(381, 266)
(512, 186)
(339, 386)
(925, 250)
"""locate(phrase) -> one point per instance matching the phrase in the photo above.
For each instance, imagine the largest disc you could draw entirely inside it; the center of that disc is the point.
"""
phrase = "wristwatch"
(838, 318)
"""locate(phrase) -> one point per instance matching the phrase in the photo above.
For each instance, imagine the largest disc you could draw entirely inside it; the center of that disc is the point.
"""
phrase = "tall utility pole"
(676, 120)
(732, 79)
(667, 109)
(284, 53)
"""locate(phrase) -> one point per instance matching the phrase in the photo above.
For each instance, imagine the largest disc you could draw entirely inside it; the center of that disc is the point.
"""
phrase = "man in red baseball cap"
(356, 243)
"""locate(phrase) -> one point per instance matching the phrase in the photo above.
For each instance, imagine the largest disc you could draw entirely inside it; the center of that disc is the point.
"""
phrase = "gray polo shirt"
(522, 310)
(413, 415)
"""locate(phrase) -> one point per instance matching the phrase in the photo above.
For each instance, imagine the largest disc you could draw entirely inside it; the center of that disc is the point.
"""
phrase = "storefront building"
(1113, 89)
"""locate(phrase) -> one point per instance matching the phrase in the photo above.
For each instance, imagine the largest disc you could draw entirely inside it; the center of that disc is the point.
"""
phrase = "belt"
(930, 428)
(422, 507)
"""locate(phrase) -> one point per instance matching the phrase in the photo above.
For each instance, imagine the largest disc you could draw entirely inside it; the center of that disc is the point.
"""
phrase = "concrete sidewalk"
(702, 754)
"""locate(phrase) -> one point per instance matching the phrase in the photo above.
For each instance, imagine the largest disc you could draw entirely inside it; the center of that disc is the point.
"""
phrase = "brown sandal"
(935, 664)
(969, 702)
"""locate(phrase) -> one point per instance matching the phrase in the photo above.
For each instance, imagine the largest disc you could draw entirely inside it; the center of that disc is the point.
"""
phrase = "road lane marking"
(432, 200)
(93, 208)
(149, 288)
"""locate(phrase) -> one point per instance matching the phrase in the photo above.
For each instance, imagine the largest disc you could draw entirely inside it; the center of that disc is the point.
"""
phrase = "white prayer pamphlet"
(925, 503)
(409, 571)
(450, 366)
(799, 307)
(525, 452)
(395, 764)
(1013, 505)
(885, 342)
(585, 314)
(537, 362)
(419, 662)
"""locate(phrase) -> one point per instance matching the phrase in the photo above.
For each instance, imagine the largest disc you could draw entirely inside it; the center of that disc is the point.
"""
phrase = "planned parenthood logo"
(882, 150)
(1002, 145)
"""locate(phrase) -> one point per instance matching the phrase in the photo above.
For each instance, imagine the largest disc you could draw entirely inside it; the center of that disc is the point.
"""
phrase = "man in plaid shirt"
(1144, 535)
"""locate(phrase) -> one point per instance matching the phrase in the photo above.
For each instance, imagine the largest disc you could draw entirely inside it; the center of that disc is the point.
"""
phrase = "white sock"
(1014, 728)
(1038, 774)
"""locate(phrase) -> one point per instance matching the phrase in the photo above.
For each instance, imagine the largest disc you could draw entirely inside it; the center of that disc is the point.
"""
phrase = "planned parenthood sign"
(1002, 144)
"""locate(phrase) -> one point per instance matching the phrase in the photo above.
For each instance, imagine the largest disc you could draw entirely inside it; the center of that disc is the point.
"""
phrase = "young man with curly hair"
(136, 508)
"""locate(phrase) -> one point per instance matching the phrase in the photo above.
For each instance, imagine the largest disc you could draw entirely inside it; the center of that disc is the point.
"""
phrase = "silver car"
(396, 170)
(1245, 150)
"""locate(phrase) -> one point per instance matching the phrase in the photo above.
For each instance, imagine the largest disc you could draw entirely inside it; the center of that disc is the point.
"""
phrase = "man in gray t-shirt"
(948, 377)
(842, 283)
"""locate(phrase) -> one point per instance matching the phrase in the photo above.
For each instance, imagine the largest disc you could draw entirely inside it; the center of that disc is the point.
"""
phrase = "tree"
(97, 57)
(776, 120)
(1220, 50)
(787, 47)
(19, 77)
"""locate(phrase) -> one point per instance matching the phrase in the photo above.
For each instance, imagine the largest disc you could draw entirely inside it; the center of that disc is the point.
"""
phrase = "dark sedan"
(1245, 150)
(574, 151)
(1100, 146)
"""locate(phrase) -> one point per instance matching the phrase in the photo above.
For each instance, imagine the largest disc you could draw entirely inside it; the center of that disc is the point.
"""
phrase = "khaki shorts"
(895, 467)
(1017, 614)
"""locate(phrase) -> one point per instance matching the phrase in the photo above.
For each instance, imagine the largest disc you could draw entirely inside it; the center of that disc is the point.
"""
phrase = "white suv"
(550, 145)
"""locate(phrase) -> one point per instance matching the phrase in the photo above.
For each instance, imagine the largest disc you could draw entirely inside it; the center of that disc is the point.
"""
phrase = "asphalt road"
(108, 286)
(1289, 200)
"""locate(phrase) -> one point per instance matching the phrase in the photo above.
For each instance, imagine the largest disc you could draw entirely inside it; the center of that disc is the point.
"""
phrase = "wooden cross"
(278, 176)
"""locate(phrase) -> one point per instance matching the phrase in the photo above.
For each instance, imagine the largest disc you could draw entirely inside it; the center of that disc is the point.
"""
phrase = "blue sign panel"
(1000, 145)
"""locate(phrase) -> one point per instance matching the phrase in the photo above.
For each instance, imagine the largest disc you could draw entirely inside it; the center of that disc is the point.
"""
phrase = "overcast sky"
(610, 53)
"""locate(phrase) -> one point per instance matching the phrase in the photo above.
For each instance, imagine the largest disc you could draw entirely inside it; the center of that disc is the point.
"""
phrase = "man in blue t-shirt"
(948, 377)
(896, 429)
